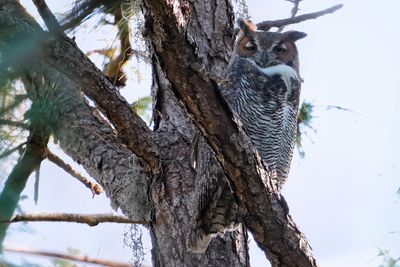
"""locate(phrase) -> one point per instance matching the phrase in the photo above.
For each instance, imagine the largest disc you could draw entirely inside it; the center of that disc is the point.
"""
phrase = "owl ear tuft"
(246, 26)
(295, 35)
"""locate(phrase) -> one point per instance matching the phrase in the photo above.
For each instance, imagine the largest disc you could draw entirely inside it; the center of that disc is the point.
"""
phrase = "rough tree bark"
(208, 34)
(145, 172)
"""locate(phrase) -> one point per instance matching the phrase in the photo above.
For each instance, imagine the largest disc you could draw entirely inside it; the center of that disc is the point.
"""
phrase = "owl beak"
(264, 58)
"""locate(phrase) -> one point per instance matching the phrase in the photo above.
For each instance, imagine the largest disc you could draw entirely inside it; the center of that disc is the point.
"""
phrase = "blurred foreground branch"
(80, 258)
(47, 16)
(89, 219)
(12, 150)
(30, 160)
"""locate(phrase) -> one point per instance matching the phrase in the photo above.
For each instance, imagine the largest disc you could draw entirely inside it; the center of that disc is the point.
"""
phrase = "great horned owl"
(262, 87)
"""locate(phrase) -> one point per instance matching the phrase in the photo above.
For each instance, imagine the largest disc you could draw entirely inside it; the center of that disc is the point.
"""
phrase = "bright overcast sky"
(343, 193)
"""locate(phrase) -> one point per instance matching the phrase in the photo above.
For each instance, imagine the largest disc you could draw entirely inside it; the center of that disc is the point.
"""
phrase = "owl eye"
(280, 49)
(250, 46)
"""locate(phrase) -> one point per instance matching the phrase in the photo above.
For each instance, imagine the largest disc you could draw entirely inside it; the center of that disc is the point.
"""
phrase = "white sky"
(343, 193)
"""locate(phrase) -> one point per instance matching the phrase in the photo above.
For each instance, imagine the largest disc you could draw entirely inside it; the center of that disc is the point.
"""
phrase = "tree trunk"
(174, 193)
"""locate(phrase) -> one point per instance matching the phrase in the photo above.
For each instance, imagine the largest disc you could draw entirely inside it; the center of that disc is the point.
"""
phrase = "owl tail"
(217, 220)
(197, 240)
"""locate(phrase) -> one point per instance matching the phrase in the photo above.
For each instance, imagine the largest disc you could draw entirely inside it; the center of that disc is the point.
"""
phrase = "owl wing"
(289, 129)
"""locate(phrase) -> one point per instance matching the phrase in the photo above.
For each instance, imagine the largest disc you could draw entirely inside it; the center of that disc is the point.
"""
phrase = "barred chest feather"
(267, 103)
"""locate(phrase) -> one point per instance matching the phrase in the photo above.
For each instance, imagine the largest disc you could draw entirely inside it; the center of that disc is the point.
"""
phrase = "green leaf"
(388, 260)
(142, 105)
(303, 124)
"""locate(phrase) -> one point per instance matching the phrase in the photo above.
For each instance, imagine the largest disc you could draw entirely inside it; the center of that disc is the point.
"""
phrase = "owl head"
(267, 48)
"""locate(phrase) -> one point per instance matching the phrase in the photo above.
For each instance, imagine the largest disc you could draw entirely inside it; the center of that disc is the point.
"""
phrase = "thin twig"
(266, 25)
(17, 100)
(36, 185)
(47, 16)
(14, 124)
(12, 150)
(89, 219)
(294, 11)
(94, 187)
(79, 258)
(295, 8)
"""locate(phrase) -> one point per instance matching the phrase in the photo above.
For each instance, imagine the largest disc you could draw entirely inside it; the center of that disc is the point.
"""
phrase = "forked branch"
(295, 9)
(268, 24)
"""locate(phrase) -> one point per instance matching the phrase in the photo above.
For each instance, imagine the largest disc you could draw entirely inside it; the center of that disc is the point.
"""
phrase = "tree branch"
(124, 162)
(295, 8)
(47, 16)
(95, 188)
(88, 139)
(33, 155)
(84, 258)
(294, 11)
(66, 57)
(63, 53)
(268, 24)
(135, 52)
(14, 123)
(89, 219)
(12, 150)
